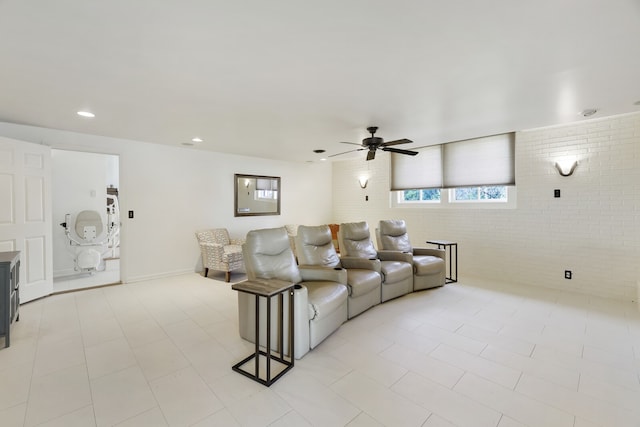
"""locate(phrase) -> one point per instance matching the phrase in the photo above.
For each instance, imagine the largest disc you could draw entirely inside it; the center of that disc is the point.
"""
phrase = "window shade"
(417, 172)
(489, 160)
(480, 161)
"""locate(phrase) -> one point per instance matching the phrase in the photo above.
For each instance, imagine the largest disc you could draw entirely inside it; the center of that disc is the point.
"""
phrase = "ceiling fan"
(373, 143)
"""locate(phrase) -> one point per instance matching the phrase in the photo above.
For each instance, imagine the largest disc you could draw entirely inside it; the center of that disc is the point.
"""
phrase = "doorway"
(86, 219)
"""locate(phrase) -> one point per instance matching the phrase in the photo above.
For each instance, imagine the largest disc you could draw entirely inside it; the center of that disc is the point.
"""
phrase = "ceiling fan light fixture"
(87, 114)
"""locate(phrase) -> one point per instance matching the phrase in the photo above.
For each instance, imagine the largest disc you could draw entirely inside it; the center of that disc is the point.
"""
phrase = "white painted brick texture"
(593, 229)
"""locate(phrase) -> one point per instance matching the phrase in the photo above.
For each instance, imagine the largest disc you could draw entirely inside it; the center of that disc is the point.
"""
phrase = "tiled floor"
(160, 352)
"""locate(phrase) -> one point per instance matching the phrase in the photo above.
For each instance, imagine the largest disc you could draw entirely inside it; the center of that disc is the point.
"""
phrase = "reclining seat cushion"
(393, 236)
(426, 264)
(325, 298)
(271, 256)
(362, 281)
(395, 271)
(357, 241)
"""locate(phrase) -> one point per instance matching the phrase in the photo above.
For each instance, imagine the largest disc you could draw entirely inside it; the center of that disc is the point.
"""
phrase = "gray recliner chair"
(320, 295)
(429, 267)
(314, 247)
(396, 267)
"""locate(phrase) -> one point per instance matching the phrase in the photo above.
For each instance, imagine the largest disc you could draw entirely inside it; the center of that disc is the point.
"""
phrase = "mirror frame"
(236, 180)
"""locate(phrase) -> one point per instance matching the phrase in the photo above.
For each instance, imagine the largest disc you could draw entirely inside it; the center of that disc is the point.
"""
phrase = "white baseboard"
(134, 279)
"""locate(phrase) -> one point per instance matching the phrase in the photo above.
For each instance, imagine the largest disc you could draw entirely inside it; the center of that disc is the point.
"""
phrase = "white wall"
(175, 191)
(593, 229)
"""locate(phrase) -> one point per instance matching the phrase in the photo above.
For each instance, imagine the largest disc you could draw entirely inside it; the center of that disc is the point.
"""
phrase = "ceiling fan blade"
(351, 143)
(371, 155)
(345, 152)
(399, 151)
(396, 142)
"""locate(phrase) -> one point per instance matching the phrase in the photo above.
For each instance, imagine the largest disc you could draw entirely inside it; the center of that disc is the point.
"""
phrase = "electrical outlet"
(130, 214)
(567, 274)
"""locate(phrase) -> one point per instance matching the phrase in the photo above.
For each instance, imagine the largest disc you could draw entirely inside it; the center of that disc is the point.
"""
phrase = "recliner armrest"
(318, 273)
(363, 263)
(440, 253)
(387, 255)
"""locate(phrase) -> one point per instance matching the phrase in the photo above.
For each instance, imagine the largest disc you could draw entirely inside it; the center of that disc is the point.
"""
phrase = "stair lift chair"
(219, 252)
(320, 295)
(396, 267)
(429, 267)
(92, 242)
(314, 247)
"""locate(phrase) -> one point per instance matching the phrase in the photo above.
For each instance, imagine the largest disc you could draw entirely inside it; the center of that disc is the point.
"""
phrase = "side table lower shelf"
(263, 358)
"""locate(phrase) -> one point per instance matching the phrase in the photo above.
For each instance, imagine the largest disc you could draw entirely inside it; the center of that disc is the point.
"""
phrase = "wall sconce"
(363, 181)
(566, 167)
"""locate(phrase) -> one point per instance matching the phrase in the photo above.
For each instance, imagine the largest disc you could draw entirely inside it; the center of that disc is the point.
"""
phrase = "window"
(483, 197)
(431, 195)
(496, 193)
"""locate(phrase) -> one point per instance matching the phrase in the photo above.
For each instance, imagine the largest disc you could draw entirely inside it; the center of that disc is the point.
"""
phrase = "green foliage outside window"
(465, 194)
(430, 195)
(481, 193)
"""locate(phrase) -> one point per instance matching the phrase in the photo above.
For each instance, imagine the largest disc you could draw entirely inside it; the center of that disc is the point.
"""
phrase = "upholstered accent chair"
(429, 267)
(396, 267)
(219, 252)
(315, 248)
(320, 294)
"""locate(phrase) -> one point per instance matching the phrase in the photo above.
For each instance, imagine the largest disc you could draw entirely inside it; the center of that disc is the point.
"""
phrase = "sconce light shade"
(363, 182)
(566, 168)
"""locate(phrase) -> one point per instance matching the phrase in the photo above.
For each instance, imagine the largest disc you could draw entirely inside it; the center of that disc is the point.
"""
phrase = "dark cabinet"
(9, 293)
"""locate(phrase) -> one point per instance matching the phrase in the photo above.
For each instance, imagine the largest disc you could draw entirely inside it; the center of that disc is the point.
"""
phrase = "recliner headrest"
(356, 240)
(318, 235)
(314, 246)
(393, 227)
(267, 255)
(393, 235)
(355, 230)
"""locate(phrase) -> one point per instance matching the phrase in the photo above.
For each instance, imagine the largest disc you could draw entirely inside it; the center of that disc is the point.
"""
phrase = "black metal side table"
(452, 276)
(268, 289)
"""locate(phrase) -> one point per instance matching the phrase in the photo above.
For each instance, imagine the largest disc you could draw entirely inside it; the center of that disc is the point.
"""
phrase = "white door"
(25, 213)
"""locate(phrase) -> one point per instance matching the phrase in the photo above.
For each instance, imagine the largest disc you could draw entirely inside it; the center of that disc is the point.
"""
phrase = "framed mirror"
(256, 195)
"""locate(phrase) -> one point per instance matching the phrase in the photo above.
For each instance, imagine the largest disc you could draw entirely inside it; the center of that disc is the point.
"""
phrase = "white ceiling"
(277, 79)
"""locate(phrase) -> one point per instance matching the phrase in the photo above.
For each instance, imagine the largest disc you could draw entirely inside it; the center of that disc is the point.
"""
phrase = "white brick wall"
(593, 229)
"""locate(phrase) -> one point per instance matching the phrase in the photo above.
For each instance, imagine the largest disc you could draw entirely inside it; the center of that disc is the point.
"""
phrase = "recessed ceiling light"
(86, 114)
(323, 160)
(196, 139)
(588, 112)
